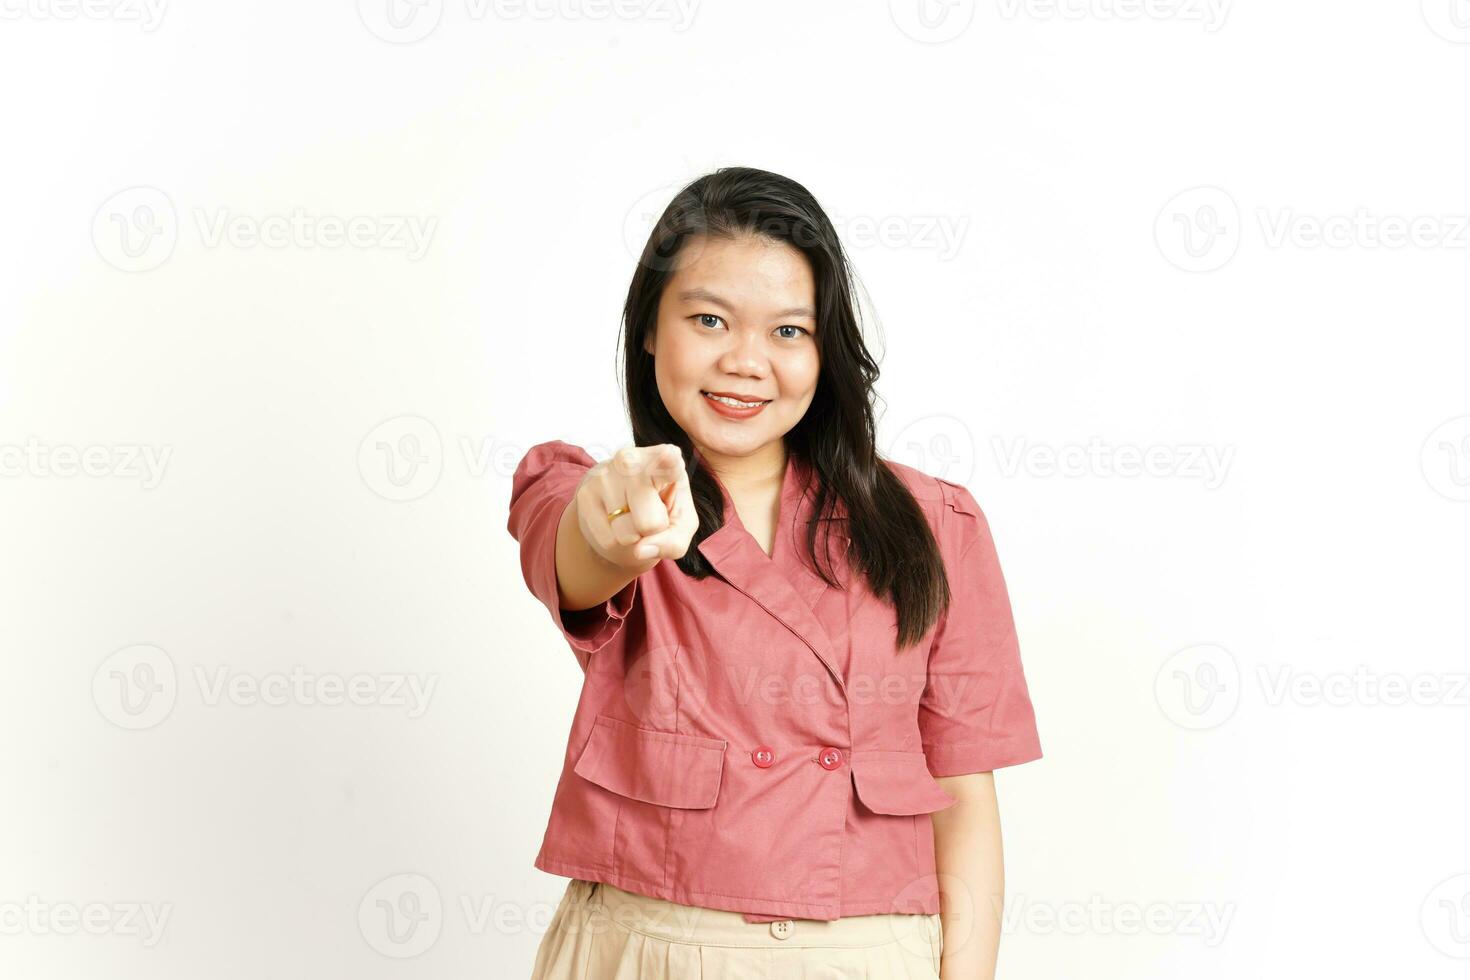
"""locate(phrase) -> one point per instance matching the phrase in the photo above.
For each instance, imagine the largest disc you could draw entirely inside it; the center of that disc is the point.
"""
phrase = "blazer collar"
(782, 583)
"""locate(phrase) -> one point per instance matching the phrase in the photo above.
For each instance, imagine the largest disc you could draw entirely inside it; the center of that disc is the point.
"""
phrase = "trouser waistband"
(673, 922)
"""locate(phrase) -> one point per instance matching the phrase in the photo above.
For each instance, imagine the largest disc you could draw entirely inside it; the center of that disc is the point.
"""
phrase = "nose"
(745, 355)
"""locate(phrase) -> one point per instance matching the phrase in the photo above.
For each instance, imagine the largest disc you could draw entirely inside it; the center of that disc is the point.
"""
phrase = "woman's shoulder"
(952, 510)
(934, 492)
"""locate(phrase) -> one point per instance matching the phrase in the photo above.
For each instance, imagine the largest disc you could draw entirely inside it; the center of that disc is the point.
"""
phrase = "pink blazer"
(752, 741)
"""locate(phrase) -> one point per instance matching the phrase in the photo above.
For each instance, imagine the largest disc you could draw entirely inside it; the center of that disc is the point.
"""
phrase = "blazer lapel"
(784, 590)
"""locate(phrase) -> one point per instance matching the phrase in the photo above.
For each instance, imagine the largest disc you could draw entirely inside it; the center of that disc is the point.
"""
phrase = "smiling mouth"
(733, 402)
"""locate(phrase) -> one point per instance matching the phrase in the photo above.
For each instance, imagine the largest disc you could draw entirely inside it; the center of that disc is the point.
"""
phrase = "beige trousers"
(600, 932)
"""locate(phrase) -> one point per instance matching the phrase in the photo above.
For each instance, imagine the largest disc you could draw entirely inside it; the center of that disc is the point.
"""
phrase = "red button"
(763, 756)
(830, 758)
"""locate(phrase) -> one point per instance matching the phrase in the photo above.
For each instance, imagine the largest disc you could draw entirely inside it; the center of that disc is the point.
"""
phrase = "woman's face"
(737, 318)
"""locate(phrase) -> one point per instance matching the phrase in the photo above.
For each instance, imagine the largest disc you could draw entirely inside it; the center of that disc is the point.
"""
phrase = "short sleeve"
(975, 714)
(541, 488)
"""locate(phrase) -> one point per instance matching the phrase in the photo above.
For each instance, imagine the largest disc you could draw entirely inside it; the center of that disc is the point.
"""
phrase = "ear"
(648, 341)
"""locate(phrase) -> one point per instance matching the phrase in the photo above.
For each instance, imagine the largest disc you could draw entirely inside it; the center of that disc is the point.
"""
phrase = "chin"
(748, 441)
(731, 439)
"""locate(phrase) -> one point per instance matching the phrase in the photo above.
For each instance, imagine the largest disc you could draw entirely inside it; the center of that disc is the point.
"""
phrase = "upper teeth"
(732, 402)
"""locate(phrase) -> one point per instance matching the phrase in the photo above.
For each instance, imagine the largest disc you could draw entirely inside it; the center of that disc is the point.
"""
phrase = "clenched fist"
(649, 486)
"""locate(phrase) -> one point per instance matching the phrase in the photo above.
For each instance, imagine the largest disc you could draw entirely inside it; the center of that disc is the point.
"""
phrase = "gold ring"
(618, 513)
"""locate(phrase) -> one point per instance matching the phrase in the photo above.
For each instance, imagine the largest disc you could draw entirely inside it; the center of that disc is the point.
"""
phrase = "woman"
(780, 762)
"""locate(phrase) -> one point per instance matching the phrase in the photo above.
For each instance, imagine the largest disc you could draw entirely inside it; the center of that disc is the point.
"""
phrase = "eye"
(789, 326)
(702, 316)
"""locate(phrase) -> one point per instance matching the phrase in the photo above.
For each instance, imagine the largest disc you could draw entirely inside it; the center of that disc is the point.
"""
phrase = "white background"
(1186, 229)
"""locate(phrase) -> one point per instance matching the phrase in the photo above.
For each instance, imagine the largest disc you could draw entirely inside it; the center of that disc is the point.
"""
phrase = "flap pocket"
(664, 768)
(897, 782)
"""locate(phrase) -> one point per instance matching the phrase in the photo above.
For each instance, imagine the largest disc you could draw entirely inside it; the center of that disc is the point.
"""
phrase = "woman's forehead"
(760, 283)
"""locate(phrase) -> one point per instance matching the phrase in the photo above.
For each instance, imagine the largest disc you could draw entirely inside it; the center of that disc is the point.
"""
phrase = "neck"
(761, 468)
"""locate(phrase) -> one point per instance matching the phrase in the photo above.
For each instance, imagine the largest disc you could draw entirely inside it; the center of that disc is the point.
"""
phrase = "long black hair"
(887, 538)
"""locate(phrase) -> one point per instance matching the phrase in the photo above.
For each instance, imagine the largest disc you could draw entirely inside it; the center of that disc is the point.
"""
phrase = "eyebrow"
(709, 297)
